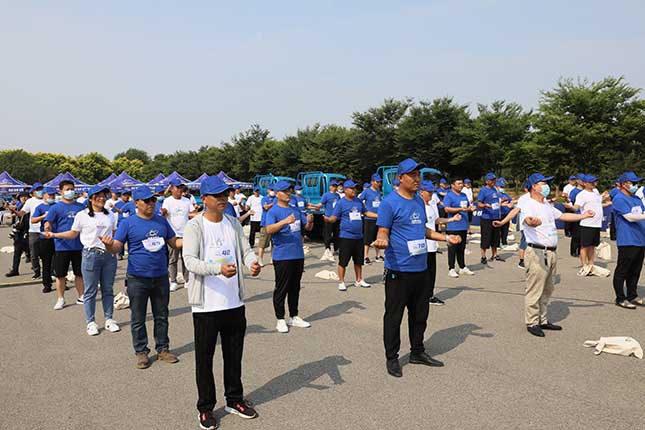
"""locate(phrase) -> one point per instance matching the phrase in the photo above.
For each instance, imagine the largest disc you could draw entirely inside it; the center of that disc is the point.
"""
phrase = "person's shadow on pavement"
(336, 310)
(301, 377)
(559, 310)
(449, 293)
(446, 340)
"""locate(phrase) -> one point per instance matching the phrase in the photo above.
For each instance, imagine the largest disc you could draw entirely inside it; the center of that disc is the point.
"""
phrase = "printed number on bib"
(154, 244)
(354, 216)
(495, 206)
(376, 203)
(417, 247)
(463, 204)
(637, 210)
(294, 227)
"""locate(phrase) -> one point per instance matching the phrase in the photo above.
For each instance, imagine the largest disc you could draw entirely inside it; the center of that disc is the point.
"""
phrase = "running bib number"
(417, 247)
(637, 210)
(376, 203)
(354, 216)
(333, 204)
(154, 244)
(294, 227)
(463, 204)
(301, 204)
(219, 254)
(125, 214)
(495, 206)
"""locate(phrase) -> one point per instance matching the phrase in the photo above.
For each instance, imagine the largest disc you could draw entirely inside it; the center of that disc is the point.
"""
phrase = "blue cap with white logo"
(142, 192)
(213, 185)
(490, 176)
(376, 177)
(282, 185)
(35, 186)
(537, 177)
(349, 184)
(590, 178)
(629, 177)
(408, 165)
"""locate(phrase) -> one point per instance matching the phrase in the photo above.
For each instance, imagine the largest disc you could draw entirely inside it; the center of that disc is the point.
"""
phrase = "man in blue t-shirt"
(146, 234)
(489, 202)
(330, 229)
(505, 206)
(284, 224)
(456, 202)
(371, 198)
(349, 210)
(612, 217)
(46, 248)
(629, 213)
(59, 219)
(402, 233)
(267, 202)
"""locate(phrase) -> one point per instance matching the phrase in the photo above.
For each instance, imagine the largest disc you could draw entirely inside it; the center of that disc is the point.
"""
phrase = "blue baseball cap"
(408, 165)
(176, 182)
(427, 186)
(467, 181)
(50, 190)
(366, 185)
(160, 189)
(333, 182)
(256, 188)
(572, 177)
(396, 182)
(580, 176)
(297, 187)
(349, 184)
(213, 185)
(282, 185)
(590, 178)
(629, 177)
(96, 189)
(443, 181)
(35, 186)
(490, 176)
(537, 177)
(116, 190)
(126, 191)
(376, 177)
(142, 192)
(500, 182)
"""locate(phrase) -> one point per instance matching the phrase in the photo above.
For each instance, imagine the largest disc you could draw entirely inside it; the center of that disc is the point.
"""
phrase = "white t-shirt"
(432, 214)
(81, 200)
(220, 293)
(520, 204)
(93, 228)
(255, 203)
(546, 233)
(434, 199)
(239, 198)
(178, 210)
(235, 205)
(567, 189)
(109, 204)
(469, 193)
(590, 200)
(30, 206)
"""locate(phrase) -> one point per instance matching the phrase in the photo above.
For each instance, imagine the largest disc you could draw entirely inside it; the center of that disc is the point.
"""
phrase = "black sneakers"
(535, 330)
(549, 326)
(244, 409)
(11, 274)
(207, 421)
(367, 261)
(483, 261)
(437, 302)
(394, 368)
(498, 258)
(425, 359)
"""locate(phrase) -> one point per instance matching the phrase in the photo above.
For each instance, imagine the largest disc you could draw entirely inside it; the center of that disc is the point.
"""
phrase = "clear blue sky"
(79, 76)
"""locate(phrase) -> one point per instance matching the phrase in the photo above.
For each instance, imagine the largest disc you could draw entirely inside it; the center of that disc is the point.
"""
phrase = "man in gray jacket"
(214, 251)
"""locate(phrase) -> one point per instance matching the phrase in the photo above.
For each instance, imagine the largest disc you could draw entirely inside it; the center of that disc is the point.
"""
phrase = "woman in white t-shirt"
(589, 199)
(98, 266)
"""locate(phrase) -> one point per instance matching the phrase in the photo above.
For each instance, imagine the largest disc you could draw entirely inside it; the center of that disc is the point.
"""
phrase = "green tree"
(134, 154)
(133, 168)
(91, 168)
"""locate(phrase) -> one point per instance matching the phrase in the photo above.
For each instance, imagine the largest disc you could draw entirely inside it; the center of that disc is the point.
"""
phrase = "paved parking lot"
(333, 375)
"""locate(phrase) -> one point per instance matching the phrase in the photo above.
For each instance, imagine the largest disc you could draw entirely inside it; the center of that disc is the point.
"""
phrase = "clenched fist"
(228, 270)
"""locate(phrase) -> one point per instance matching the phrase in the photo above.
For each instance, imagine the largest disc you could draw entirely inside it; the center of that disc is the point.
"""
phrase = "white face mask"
(298, 192)
(271, 193)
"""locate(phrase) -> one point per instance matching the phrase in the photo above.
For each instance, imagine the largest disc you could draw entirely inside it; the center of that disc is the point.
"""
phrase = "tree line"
(579, 126)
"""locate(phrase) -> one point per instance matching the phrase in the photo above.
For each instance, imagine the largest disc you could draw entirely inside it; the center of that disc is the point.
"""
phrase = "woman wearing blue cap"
(98, 265)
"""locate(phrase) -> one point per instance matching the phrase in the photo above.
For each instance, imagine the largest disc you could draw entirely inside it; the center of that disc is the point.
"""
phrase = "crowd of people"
(161, 229)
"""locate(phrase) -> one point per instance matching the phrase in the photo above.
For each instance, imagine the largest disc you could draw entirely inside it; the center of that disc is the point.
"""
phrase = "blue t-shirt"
(490, 196)
(230, 210)
(613, 192)
(350, 213)
(158, 207)
(328, 201)
(372, 200)
(298, 202)
(504, 210)
(146, 239)
(628, 233)
(442, 193)
(266, 200)
(287, 243)
(453, 200)
(40, 211)
(61, 216)
(120, 205)
(406, 219)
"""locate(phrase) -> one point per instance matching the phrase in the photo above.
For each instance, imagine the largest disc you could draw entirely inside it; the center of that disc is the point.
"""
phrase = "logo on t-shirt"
(415, 218)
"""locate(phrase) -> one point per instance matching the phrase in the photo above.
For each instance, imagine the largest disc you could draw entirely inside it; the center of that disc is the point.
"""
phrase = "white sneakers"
(328, 255)
(281, 326)
(80, 300)
(362, 284)
(173, 286)
(92, 329)
(453, 274)
(180, 278)
(466, 271)
(342, 287)
(298, 322)
(112, 326)
(60, 304)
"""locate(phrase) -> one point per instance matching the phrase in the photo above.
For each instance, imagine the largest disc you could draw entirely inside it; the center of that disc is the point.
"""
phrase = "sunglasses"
(218, 195)
(149, 200)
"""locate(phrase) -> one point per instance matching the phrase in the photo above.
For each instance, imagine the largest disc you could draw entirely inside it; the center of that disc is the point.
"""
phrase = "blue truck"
(263, 181)
(314, 185)
(388, 174)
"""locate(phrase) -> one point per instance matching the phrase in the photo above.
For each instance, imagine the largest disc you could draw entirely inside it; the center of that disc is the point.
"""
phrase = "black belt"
(546, 248)
(99, 250)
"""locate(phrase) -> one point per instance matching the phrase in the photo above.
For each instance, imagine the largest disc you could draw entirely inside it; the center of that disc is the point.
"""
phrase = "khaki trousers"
(539, 284)
(174, 255)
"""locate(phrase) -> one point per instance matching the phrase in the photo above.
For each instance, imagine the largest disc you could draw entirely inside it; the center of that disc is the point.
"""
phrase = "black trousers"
(46, 254)
(287, 286)
(330, 235)
(628, 271)
(612, 227)
(574, 248)
(405, 290)
(20, 246)
(34, 242)
(230, 325)
(432, 271)
(457, 251)
(255, 228)
(504, 233)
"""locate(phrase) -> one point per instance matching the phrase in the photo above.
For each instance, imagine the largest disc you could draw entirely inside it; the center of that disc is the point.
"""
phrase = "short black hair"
(455, 179)
(65, 182)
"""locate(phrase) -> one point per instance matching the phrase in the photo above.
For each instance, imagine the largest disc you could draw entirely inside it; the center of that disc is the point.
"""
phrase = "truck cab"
(263, 181)
(388, 174)
(315, 184)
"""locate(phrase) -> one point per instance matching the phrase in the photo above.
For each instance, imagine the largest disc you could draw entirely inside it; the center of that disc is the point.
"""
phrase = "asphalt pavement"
(332, 375)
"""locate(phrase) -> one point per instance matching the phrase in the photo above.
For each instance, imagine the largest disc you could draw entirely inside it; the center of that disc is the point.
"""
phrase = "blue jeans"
(141, 289)
(98, 268)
